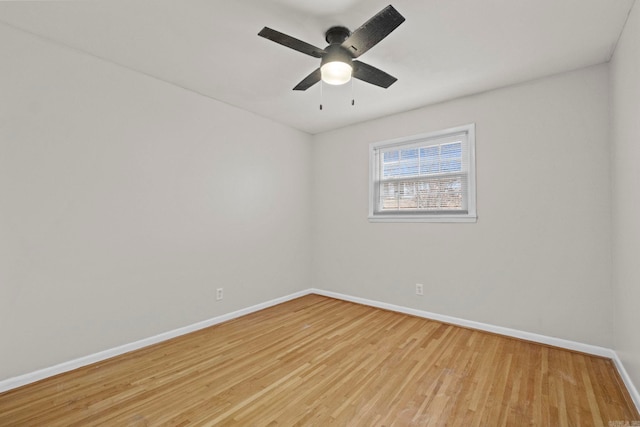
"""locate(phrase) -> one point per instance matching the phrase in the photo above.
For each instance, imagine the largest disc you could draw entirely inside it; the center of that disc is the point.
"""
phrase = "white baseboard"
(40, 374)
(31, 377)
(633, 391)
(528, 336)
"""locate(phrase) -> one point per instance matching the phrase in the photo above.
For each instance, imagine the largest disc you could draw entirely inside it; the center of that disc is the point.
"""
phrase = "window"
(428, 177)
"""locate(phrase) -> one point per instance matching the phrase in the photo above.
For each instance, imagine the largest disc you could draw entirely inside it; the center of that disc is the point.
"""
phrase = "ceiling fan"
(337, 64)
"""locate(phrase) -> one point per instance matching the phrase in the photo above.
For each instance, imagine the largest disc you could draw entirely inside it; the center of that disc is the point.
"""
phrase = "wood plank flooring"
(320, 361)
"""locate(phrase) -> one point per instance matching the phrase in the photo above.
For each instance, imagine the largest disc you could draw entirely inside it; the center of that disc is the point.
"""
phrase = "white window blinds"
(426, 176)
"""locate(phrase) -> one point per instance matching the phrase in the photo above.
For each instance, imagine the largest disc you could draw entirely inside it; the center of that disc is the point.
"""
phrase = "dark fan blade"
(370, 74)
(291, 42)
(374, 30)
(309, 81)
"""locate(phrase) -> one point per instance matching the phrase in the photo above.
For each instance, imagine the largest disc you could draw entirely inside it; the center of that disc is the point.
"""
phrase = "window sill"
(423, 218)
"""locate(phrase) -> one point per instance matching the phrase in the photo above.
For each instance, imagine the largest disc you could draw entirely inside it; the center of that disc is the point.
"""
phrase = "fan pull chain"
(353, 98)
(320, 95)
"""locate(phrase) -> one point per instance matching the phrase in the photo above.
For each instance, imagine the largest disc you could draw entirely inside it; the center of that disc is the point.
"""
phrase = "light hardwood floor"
(320, 361)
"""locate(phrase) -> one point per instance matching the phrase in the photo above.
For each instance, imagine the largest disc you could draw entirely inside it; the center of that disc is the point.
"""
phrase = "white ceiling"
(445, 48)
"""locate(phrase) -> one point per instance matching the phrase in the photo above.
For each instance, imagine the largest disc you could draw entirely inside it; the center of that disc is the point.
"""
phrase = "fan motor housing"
(336, 52)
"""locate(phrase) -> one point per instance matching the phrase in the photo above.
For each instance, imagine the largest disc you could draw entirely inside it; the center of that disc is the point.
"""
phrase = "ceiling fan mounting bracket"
(337, 34)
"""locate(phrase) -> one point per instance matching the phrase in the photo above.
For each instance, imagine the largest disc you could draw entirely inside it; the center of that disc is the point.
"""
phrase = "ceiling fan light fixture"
(336, 66)
(336, 72)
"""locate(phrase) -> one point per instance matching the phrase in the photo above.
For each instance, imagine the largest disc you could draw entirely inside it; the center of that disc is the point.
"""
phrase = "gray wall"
(538, 259)
(625, 125)
(125, 202)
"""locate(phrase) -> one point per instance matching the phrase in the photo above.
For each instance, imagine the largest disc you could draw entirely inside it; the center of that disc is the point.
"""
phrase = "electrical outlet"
(219, 294)
(419, 289)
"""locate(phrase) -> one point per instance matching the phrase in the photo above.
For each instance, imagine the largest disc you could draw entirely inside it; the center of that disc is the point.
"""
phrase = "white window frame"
(424, 215)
